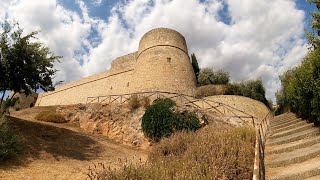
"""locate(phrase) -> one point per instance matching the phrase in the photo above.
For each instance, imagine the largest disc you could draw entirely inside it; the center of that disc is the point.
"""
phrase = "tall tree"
(195, 65)
(25, 63)
(313, 36)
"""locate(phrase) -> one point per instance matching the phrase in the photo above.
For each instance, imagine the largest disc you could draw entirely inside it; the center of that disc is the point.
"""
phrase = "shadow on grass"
(56, 142)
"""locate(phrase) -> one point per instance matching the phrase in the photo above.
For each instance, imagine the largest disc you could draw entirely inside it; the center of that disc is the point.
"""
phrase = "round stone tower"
(163, 63)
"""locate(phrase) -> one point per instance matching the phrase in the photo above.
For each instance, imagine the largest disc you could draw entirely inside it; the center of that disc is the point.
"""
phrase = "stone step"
(295, 156)
(284, 115)
(273, 131)
(299, 171)
(292, 146)
(313, 178)
(291, 131)
(293, 137)
(279, 121)
(295, 121)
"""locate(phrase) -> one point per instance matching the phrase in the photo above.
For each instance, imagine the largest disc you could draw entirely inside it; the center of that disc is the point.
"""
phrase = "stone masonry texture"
(161, 63)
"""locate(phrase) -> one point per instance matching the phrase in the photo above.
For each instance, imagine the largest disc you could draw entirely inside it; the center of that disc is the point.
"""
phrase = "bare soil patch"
(62, 151)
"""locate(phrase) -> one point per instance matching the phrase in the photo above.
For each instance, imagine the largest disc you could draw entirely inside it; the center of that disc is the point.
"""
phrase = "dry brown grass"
(50, 116)
(210, 90)
(145, 101)
(210, 153)
(135, 102)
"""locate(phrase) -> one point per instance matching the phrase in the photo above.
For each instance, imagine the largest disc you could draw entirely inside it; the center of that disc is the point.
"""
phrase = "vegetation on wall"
(300, 86)
(160, 120)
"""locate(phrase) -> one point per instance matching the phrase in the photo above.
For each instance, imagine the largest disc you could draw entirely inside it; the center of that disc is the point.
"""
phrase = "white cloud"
(263, 39)
(62, 30)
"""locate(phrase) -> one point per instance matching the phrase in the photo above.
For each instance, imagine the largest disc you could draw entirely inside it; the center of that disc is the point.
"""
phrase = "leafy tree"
(313, 36)
(253, 89)
(208, 76)
(25, 63)
(195, 65)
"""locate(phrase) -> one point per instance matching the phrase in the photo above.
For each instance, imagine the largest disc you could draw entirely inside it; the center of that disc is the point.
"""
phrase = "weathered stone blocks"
(161, 63)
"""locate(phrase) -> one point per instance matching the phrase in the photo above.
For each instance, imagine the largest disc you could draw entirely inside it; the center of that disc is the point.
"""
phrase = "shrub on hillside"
(186, 121)
(50, 116)
(10, 143)
(160, 120)
(134, 102)
(209, 90)
(145, 102)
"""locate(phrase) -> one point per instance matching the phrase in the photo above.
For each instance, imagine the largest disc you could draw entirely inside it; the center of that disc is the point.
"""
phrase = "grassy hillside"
(210, 153)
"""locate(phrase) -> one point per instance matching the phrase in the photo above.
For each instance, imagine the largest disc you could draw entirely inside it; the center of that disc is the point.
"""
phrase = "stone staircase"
(292, 149)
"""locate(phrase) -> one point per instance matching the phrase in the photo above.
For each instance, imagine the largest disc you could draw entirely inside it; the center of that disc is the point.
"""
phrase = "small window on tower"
(168, 59)
(111, 87)
(128, 84)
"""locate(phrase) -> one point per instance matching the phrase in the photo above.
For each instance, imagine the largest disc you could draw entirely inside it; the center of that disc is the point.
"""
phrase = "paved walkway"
(292, 149)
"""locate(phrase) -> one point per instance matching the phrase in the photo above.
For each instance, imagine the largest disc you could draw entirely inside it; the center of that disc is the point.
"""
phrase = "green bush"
(10, 143)
(186, 121)
(160, 120)
(253, 89)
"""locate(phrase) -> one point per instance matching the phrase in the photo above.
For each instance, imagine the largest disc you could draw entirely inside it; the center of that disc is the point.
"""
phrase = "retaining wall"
(248, 105)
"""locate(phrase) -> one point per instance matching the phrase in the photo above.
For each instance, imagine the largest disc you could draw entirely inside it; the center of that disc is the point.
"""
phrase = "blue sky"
(248, 38)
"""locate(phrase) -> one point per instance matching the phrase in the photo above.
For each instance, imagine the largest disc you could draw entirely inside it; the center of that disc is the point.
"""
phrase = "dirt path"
(62, 151)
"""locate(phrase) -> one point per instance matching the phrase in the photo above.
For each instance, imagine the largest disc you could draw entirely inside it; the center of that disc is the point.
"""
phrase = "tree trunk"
(4, 91)
(12, 96)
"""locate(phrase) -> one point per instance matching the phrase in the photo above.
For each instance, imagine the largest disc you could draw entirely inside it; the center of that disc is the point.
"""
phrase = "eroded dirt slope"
(63, 151)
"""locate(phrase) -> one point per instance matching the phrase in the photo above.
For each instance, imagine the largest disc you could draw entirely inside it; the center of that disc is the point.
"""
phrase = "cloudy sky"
(248, 38)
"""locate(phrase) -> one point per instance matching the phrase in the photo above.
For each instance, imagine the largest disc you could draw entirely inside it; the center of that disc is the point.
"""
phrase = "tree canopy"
(25, 63)
(195, 65)
(208, 76)
(300, 86)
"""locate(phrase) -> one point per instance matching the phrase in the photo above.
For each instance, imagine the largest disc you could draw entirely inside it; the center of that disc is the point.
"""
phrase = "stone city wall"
(114, 81)
(161, 64)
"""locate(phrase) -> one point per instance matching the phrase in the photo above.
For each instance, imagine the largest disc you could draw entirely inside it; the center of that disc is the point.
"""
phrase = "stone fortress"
(161, 63)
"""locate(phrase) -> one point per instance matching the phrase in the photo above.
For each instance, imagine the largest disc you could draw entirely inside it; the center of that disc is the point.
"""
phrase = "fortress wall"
(162, 36)
(160, 73)
(113, 81)
(124, 62)
(163, 63)
(248, 105)
(109, 84)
